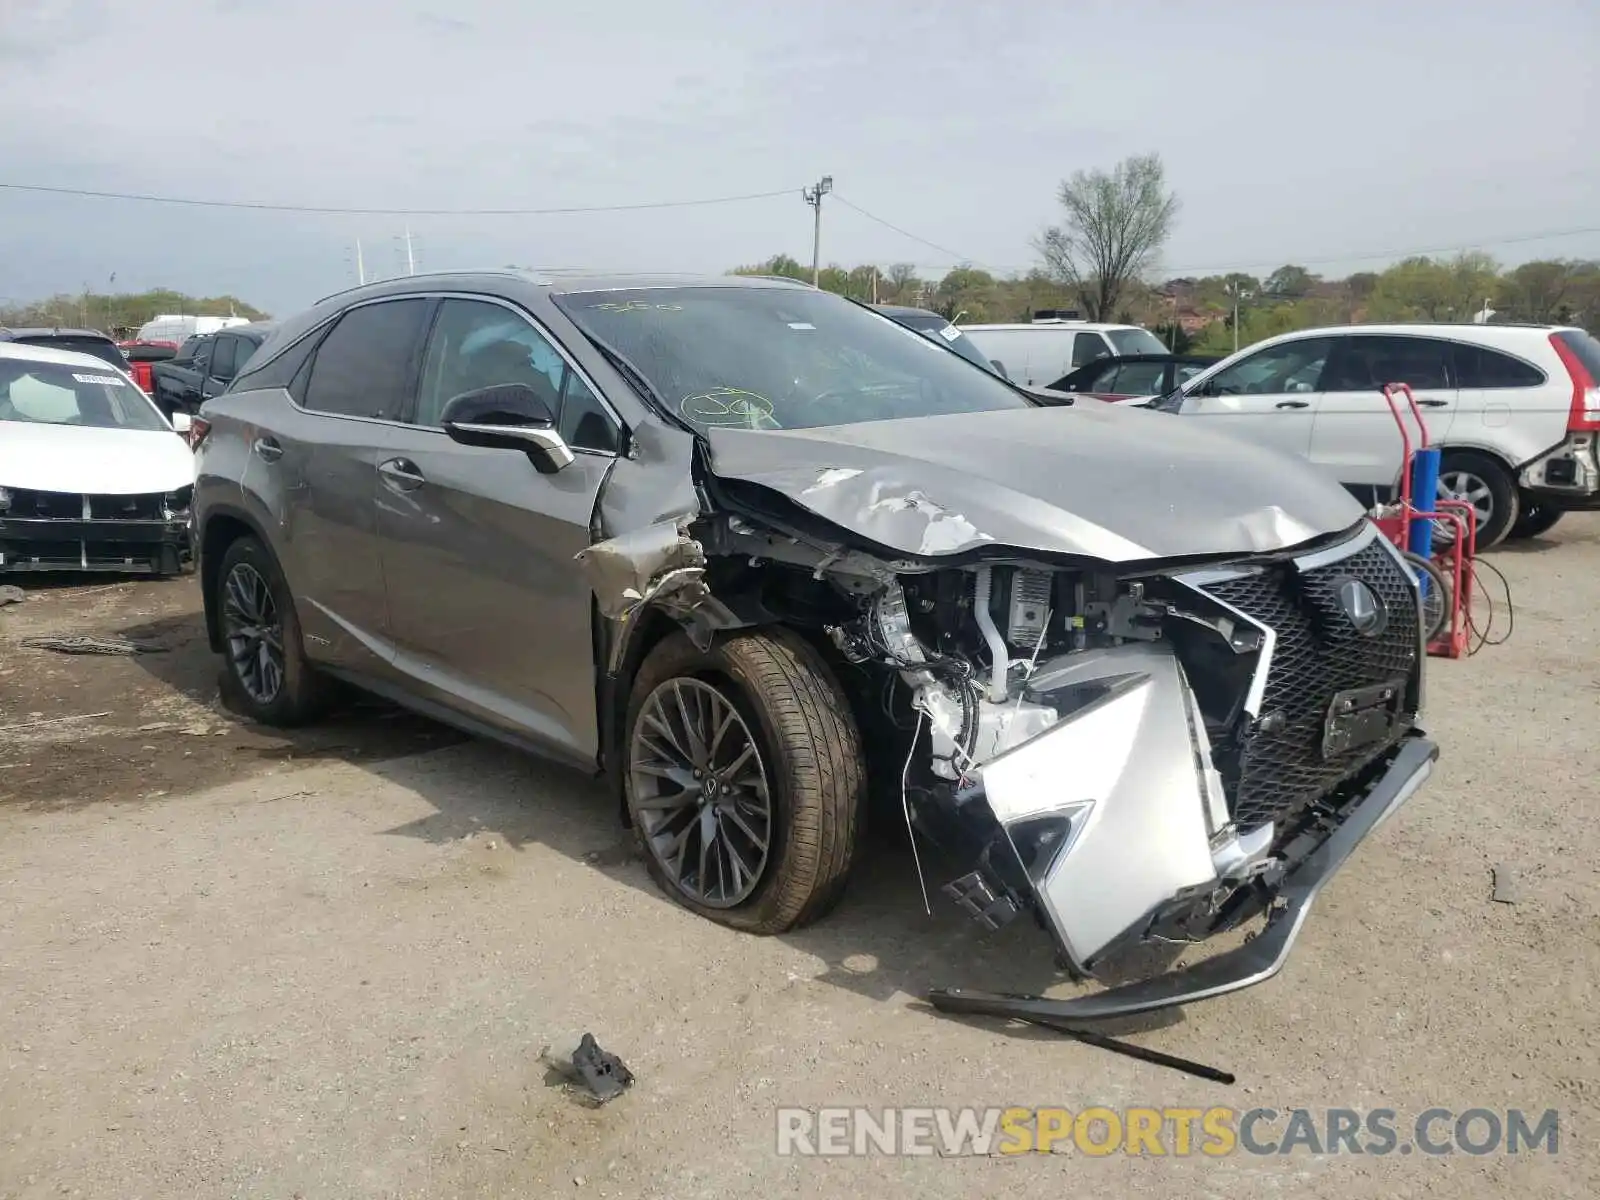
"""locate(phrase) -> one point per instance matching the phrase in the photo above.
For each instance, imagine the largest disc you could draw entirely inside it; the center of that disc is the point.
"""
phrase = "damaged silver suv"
(755, 551)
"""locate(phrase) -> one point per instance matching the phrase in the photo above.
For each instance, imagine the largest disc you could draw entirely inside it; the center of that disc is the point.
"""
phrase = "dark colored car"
(83, 341)
(938, 330)
(1133, 375)
(751, 552)
(204, 365)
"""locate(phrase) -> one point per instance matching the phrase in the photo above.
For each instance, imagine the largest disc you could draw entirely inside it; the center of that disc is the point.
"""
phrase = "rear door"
(1270, 397)
(223, 366)
(488, 612)
(1505, 403)
(1356, 438)
(351, 395)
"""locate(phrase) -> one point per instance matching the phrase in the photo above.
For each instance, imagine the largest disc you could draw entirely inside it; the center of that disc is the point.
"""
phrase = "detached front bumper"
(161, 546)
(1388, 783)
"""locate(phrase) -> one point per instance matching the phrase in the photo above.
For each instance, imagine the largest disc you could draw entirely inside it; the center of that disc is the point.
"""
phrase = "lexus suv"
(755, 553)
(1515, 410)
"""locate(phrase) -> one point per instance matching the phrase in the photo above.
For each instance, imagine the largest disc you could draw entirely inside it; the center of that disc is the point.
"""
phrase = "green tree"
(1116, 223)
(1290, 282)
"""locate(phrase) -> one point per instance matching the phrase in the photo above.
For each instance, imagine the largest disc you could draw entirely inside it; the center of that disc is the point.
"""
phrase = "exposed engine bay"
(1129, 753)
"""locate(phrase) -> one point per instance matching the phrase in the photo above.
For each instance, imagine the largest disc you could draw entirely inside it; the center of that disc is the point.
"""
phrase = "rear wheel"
(268, 676)
(1487, 486)
(1535, 518)
(744, 778)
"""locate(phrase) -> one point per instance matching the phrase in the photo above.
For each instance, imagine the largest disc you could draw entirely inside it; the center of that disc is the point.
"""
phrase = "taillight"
(198, 428)
(1585, 414)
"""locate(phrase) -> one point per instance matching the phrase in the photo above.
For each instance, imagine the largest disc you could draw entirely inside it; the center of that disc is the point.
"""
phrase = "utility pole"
(813, 196)
(411, 258)
(361, 266)
(1236, 290)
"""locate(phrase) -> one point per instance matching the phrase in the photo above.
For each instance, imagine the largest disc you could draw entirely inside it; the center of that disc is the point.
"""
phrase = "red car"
(140, 355)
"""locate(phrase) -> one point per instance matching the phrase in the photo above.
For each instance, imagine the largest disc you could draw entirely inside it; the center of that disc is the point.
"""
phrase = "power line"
(902, 232)
(390, 212)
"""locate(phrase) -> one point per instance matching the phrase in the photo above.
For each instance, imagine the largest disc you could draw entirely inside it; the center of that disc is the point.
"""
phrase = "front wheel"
(744, 778)
(268, 676)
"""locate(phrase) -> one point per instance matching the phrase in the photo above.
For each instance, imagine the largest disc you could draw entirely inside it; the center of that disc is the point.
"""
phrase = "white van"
(175, 328)
(1038, 354)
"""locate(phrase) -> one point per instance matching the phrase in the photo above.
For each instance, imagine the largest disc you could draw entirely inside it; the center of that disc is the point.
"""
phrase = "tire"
(299, 694)
(1535, 518)
(806, 754)
(1489, 485)
(1435, 597)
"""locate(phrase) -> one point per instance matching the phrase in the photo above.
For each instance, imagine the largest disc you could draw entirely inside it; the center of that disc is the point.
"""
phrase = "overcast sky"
(1292, 131)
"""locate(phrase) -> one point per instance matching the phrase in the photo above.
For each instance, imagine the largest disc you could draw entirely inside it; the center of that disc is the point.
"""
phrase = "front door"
(1270, 397)
(489, 613)
(1356, 438)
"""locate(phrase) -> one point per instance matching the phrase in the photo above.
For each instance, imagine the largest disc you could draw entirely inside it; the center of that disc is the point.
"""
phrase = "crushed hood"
(80, 458)
(1099, 480)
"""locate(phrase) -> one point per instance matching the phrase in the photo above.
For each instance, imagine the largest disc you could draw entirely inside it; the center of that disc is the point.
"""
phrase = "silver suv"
(755, 552)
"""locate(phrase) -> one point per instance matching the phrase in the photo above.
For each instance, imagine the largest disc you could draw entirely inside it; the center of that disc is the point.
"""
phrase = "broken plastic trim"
(634, 568)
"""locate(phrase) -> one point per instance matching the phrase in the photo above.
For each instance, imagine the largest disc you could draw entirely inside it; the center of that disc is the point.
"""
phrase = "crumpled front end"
(1131, 753)
(1208, 752)
(137, 533)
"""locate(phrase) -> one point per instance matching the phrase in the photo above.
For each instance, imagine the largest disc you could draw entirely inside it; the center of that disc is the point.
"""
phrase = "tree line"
(121, 314)
(1102, 261)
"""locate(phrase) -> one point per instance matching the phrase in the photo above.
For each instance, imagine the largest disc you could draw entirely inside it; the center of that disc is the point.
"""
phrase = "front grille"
(69, 506)
(1318, 654)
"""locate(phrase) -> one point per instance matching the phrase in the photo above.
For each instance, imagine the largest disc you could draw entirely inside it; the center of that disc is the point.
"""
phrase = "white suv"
(1515, 409)
(1040, 353)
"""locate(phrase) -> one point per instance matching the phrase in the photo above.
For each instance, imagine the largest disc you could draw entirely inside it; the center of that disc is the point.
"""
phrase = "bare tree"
(1116, 223)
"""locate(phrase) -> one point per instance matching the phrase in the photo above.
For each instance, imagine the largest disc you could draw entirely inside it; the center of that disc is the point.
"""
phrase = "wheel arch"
(223, 526)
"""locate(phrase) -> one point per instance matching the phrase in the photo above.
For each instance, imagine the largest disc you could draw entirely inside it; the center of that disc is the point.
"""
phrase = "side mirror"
(999, 366)
(182, 423)
(508, 416)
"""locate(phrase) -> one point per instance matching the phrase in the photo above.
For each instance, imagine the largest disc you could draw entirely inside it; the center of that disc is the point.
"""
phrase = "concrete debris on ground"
(1505, 885)
(11, 594)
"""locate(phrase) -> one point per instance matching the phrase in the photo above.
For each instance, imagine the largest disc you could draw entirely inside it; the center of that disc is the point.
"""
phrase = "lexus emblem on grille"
(1362, 606)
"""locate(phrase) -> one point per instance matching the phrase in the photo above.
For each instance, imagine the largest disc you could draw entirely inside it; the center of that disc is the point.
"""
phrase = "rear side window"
(1136, 341)
(364, 367)
(280, 370)
(1478, 367)
(1138, 379)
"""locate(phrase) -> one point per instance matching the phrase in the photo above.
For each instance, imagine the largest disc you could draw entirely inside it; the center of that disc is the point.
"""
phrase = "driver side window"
(1289, 367)
(476, 344)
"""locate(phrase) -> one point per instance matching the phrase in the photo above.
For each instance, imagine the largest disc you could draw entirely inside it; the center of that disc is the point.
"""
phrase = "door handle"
(1293, 404)
(401, 474)
(267, 449)
(1433, 403)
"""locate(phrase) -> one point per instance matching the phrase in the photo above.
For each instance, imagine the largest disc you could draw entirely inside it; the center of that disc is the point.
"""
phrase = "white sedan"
(92, 476)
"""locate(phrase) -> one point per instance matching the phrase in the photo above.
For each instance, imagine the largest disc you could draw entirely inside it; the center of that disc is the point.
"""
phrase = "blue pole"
(1424, 495)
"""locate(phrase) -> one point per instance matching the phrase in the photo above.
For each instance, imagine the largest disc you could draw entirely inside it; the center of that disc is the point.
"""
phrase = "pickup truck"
(203, 366)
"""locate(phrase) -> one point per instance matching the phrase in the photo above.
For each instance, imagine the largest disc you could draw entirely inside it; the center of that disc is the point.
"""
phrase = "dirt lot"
(236, 963)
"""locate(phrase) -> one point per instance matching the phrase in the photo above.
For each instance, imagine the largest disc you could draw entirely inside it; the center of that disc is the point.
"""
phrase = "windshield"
(40, 393)
(780, 358)
(1135, 341)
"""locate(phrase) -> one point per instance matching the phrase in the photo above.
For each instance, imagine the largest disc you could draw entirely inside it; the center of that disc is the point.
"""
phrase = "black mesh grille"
(1318, 654)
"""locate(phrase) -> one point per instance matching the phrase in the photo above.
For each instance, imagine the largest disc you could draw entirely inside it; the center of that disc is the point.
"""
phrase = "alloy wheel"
(1464, 485)
(700, 792)
(254, 633)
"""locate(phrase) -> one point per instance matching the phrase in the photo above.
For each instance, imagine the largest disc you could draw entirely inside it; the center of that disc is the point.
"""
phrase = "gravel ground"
(241, 964)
